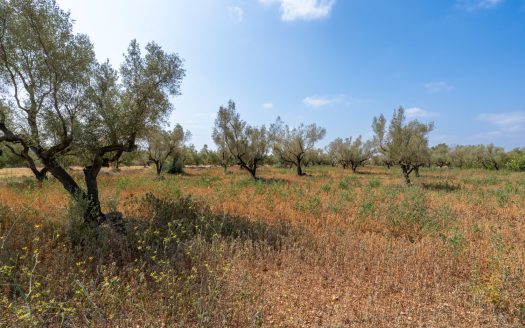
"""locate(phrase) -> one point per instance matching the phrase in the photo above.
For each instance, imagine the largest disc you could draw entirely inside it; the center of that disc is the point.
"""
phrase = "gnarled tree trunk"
(406, 172)
(299, 166)
(40, 175)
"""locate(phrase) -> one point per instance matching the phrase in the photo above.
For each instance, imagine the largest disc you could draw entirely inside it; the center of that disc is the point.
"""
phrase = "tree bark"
(406, 173)
(299, 167)
(116, 166)
(252, 172)
(40, 175)
(93, 212)
(416, 171)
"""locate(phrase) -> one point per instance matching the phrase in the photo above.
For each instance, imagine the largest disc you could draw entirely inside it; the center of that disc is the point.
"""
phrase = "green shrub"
(517, 163)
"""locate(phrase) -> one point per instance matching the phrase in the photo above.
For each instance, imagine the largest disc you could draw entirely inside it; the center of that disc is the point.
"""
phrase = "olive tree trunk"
(299, 167)
(93, 212)
(406, 173)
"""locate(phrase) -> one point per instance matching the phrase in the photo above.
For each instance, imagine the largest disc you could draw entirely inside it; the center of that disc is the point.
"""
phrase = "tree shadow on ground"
(371, 173)
(441, 186)
(168, 226)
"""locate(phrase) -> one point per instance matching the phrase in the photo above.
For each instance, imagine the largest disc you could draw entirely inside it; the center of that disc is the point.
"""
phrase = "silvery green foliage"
(441, 155)
(490, 156)
(62, 102)
(248, 145)
(350, 153)
(293, 145)
(163, 144)
(406, 144)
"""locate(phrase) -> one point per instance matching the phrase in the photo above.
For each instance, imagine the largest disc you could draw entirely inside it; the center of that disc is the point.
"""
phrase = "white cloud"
(316, 101)
(472, 5)
(438, 86)
(510, 122)
(292, 10)
(267, 105)
(236, 13)
(416, 112)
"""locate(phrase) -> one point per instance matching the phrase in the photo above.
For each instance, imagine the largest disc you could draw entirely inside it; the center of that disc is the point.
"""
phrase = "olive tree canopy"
(61, 100)
(292, 145)
(490, 156)
(406, 144)
(348, 153)
(163, 144)
(248, 145)
(441, 155)
(223, 156)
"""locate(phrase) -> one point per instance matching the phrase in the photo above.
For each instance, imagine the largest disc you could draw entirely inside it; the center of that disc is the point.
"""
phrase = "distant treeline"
(443, 156)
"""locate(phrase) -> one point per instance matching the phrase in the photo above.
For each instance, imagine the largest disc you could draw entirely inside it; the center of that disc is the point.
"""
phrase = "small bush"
(517, 163)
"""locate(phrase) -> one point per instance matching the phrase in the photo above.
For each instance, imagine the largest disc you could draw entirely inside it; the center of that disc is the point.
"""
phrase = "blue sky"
(337, 63)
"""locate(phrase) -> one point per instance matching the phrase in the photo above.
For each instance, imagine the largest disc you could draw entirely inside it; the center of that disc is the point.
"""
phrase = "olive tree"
(405, 143)
(247, 145)
(490, 156)
(348, 153)
(292, 145)
(441, 155)
(163, 144)
(63, 101)
(460, 156)
(223, 156)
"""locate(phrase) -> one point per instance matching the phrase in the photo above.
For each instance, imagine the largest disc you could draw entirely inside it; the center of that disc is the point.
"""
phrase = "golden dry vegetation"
(333, 249)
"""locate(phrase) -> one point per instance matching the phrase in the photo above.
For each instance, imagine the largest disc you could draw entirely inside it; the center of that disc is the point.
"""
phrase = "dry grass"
(363, 250)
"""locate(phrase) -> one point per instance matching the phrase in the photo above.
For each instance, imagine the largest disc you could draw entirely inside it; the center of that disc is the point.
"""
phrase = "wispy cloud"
(506, 129)
(236, 13)
(472, 5)
(438, 86)
(417, 112)
(267, 105)
(292, 10)
(315, 101)
(510, 122)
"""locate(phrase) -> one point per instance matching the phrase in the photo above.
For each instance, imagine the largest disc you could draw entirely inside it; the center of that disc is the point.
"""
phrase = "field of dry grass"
(332, 249)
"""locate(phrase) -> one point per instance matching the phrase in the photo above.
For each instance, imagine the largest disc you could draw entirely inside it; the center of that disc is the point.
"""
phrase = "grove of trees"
(59, 106)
